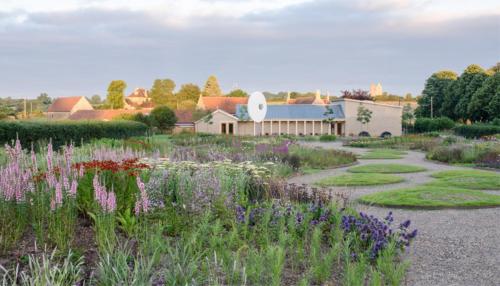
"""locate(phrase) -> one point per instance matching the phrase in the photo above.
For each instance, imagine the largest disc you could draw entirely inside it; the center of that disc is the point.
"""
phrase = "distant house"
(64, 107)
(228, 104)
(307, 119)
(138, 99)
(184, 121)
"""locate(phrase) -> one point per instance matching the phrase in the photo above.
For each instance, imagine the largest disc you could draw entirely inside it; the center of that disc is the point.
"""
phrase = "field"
(186, 210)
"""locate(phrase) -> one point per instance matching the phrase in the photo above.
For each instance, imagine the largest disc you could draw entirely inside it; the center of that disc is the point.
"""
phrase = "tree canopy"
(163, 118)
(115, 96)
(162, 93)
(188, 91)
(212, 87)
(237, 93)
(435, 88)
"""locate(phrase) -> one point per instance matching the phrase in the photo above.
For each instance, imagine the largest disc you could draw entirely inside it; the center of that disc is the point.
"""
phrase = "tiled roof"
(64, 104)
(184, 116)
(225, 103)
(104, 114)
(139, 92)
(294, 112)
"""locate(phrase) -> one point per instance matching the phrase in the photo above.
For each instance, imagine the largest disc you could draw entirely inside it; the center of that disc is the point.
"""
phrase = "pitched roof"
(228, 104)
(294, 112)
(184, 116)
(64, 104)
(139, 92)
(104, 114)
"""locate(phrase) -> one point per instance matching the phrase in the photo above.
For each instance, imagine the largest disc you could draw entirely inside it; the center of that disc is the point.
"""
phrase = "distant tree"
(186, 105)
(163, 118)
(329, 114)
(162, 93)
(494, 69)
(212, 87)
(44, 99)
(408, 116)
(237, 93)
(95, 99)
(364, 115)
(357, 94)
(408, 97)
(435, 90)
(467, 84)
(115, 96)
(483, 105)
(188, 91)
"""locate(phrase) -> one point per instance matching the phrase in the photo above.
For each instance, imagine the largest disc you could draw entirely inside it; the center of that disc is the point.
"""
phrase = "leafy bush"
(62, 132)
(163, 118)
(477, 130)
(326, 138)
(433, 124)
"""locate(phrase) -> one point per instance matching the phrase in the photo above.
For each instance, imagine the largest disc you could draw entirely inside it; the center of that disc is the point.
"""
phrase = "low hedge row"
(433, 124)
(477, 130)
(62, 132)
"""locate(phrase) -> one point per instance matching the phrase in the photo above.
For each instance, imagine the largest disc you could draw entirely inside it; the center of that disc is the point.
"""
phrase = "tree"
(212, 87)
(186, 105)
(494, 69)
(407, 116)
(95, 99)
(237, 93)
(163, 118)
(188, 91)
(162, 93)
(483, 105)
(408, 97)
(435, 90)
(357, 94)
(115, 96)
(364, 115)
(467, 84)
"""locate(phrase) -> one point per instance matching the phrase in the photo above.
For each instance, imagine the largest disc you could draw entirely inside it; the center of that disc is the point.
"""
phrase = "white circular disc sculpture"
(257, 106)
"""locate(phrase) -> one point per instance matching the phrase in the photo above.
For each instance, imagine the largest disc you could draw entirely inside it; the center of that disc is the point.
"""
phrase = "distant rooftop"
(294, 111)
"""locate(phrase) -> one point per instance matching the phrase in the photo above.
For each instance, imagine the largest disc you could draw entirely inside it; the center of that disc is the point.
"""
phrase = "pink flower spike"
(111, 203)
(74, 187)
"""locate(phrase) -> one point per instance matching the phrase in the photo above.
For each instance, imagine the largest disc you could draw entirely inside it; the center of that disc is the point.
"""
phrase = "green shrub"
(163, 118)
(433, 124)
(477, 130)
(62, 132)
(327, 138)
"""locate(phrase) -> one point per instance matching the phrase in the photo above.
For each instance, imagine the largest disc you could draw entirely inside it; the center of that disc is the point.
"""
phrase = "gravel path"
(453, 247)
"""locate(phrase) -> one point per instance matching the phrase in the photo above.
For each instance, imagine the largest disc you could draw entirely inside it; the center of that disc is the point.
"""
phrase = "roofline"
(366, 101)
(217, 110)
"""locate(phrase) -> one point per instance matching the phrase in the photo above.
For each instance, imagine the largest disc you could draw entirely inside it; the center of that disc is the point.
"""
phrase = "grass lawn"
(383, 154)
(470, 179)
(431, 196)
(386, 168)
(364, 179)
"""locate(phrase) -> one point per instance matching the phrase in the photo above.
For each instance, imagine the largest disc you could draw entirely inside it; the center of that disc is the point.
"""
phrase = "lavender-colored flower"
(299, 218)
(240, 214)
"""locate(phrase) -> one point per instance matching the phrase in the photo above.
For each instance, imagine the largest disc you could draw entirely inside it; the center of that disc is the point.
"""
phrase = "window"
(230, 127)
(223, 128)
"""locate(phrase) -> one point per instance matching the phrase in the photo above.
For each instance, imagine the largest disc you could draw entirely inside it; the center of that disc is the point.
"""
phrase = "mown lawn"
(431, 196)
(470, 179)
(383, 154)
(362, 179)
(386, 168)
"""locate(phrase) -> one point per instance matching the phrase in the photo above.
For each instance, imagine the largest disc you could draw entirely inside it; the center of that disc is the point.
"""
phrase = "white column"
(271, 128)
(279, 127)
(321, 128)
(314, 123)
(305, 128)
(296, 128)
(288, 127)
(262, 128)
(329, 128)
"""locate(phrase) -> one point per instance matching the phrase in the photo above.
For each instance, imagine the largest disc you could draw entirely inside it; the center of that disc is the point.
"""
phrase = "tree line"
(162, 93)
(473, 96)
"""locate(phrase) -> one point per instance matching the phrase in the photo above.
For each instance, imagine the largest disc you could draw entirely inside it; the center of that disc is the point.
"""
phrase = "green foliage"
(212, 87)
(435, 88)
(61, 132)
(237, 93)
(163, 118)
(319, 158)
(364, 115)
(407, 116)
(162, 93)
(327, 138)
(188, 91)
(476, 130)
(470, 179)
(383, 154)
(485, 102)
(116, 95)
(433, 124)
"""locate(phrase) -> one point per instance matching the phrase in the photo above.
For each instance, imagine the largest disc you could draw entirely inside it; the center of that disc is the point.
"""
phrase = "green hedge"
(477, 130)
(433, 124)
(327, 138)
(62, 132)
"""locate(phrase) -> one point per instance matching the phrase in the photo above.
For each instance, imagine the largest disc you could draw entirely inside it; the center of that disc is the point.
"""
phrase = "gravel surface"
(453, 247)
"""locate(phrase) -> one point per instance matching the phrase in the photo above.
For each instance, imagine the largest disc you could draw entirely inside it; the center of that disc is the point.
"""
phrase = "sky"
(76, 47)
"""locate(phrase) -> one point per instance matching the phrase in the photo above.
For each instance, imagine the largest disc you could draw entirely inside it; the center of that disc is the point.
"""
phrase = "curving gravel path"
(453, 247)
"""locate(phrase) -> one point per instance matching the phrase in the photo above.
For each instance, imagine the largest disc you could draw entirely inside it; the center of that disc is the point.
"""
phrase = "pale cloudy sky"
(76, 47)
